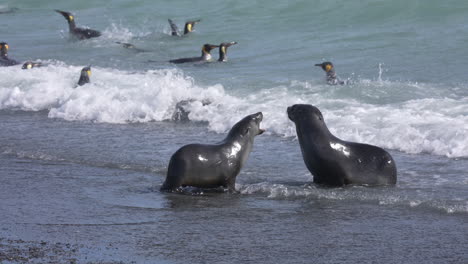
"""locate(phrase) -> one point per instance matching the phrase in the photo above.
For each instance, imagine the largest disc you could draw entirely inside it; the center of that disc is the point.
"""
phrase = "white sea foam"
(384, 197)
(428, 125)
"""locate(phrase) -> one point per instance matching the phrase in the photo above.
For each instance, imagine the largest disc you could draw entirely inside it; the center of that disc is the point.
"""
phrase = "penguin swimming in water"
(4, 60)
(332, 79)
(130, 46)
(79, 33)
(206, 56)
(187, 28)
(84, 76)
(223, 50)
(30, 64)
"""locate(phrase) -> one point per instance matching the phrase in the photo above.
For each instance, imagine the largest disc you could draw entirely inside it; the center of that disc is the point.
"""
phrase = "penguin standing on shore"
(223, 50)
(189, 25)
(206, 56)
(79, 33)
(4, 59)
(332, 79)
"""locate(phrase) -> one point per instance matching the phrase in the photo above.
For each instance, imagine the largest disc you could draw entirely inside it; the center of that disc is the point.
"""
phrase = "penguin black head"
(189, 25)
(29, 65)
(84, 77)
(68, 16)
(326, 66)
(223, 50)
(4, 49)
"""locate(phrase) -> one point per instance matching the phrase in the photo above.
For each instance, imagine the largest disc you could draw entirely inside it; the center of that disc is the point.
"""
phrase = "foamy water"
(116, 96)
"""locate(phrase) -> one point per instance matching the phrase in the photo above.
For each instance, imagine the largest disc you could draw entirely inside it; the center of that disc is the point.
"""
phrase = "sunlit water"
(84, 165)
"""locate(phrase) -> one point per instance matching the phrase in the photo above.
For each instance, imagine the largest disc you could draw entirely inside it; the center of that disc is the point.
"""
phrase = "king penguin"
(332, 79)
(79, 33)
(187, 28)
(205, 56)
(4, 59)
(84, 76)
(223, 50)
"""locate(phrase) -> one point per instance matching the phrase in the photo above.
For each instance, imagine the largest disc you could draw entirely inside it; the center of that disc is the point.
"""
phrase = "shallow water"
(84, 166)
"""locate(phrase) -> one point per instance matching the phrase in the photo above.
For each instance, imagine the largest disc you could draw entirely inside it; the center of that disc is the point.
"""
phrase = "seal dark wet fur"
(205, 56)
(329, 69)
(4, 59)
(84, 76)
(336, 162)
(217, 165)
(79, 33)
(223, 50)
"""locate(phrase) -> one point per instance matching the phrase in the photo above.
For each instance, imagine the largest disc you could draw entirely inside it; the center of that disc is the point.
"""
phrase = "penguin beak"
(64, 14)
(229, 44)
(320, 65)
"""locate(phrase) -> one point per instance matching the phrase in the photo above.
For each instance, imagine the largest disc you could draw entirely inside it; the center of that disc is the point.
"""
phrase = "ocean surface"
(82, 166)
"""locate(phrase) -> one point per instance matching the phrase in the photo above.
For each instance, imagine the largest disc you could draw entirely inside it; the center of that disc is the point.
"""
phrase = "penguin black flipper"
(84, 76)
(79, 33)
(174, 28)
(4, 59)
(223, 50)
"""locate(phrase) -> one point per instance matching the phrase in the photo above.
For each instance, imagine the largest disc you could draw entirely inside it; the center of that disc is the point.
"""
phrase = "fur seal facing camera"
(212, 166)
(332, 79)
(336, 162)
(79, 33)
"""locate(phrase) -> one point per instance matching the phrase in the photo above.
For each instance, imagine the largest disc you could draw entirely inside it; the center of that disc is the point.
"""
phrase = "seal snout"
(259, 117)
(290, 110)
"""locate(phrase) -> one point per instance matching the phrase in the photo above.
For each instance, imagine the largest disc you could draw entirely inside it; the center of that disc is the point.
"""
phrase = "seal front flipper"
(79, 33)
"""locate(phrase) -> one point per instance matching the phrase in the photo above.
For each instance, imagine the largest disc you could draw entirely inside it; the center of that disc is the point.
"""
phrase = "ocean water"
(84, 165)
